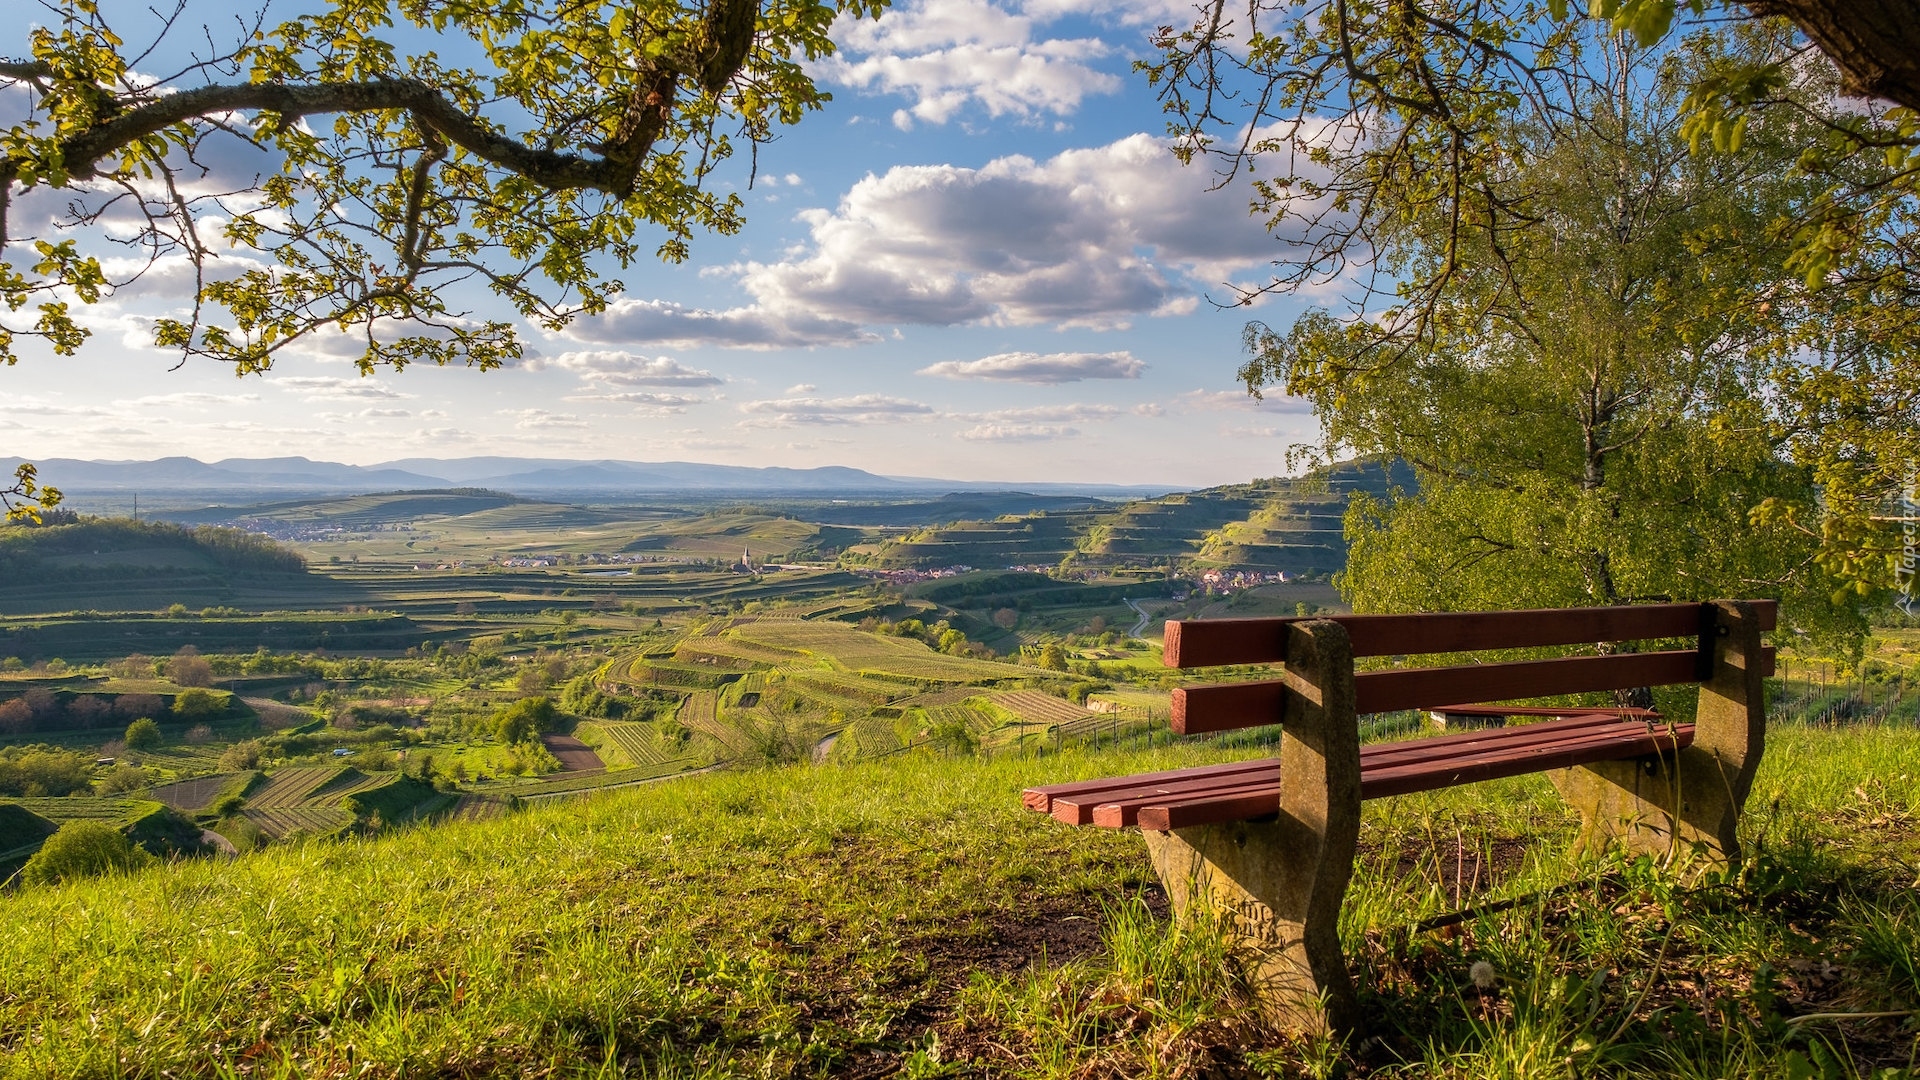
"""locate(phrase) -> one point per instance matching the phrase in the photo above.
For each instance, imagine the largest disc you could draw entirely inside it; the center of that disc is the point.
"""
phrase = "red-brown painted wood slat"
(1119, 805)
(1089, 792)
(1422, 688)
(1211, 642)
(1255, 801)
(1041, 798)
(1225, 706)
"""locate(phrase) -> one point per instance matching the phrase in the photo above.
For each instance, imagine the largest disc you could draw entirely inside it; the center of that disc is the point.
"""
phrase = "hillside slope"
(903, 918)
(1289, 524)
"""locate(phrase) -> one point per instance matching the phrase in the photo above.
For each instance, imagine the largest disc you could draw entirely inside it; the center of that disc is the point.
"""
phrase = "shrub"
(242, 755)
(83, 849)
(121, 779)
(198, 735)
(228, 805)
(189, 668)
(143, 734)
(15, 716)
(524, 720)
(197, 704)
(1077, 693)
(40, 771)
(135, 706)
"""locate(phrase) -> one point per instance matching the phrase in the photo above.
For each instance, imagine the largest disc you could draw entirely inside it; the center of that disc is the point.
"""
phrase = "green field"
(907, 916)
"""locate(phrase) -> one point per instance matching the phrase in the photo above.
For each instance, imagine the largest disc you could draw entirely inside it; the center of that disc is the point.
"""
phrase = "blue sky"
(980, 262)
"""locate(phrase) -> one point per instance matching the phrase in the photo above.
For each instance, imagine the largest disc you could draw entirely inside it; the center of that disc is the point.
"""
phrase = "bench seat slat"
(1406, 780)
(1387, 774)
(1041, 798)
(1047, 799)
(1256, 801)
(1076, 808)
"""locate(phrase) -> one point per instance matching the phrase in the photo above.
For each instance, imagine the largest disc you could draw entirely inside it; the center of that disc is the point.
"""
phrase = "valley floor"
(907, 917)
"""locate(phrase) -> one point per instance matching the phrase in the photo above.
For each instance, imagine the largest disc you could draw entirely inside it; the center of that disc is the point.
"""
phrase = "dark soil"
(574, 756)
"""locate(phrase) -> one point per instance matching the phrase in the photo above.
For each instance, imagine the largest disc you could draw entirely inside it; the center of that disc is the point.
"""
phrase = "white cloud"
(946, 54)
(188, 399)
(645, 402)
(801, 388)
(1239, 401)
(1087, 238)
(542, 420)
(660, 322)
(627, 369)
(812, 411)
(1018, 432)
(1041, 368)
(1038, 423)
(327, 386)
(1046, 413)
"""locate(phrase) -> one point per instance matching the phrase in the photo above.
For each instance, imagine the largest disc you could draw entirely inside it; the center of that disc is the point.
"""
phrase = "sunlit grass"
(909, 917)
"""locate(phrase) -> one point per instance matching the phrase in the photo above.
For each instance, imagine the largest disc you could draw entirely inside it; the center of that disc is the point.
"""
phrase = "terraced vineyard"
(973, 718)
(292, 787)
(579, 784)
(733, 650)
(281, 823)
(867, 737)
(700, 713)
(639, 742)
(348, 782)
(479, 808)
(846, 691)
(872, 654)
(200, 792)
(946, 696)
(1038, 708)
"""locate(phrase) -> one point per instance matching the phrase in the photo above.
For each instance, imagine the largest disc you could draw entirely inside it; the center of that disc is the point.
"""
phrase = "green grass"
(907, 917)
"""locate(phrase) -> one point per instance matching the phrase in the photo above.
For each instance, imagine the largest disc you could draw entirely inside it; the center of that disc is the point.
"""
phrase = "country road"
(1139, 628)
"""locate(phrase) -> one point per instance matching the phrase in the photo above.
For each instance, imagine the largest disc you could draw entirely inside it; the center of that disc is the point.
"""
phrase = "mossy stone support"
(1690, 803)
(1277, 886)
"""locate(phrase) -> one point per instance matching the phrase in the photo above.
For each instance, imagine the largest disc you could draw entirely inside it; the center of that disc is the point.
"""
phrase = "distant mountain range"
(171, 478)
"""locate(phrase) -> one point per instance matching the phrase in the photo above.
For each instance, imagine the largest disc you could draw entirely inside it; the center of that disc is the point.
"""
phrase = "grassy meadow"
(907, 917)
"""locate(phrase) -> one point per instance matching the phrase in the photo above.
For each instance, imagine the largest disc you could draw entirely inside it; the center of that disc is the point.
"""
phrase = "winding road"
(1140, 627)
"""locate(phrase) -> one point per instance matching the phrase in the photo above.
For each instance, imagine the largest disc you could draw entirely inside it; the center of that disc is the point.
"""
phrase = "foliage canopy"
(1396, 151)
(535, 143)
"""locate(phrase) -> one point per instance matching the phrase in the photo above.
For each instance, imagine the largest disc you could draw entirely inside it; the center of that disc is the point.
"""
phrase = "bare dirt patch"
(573, 755)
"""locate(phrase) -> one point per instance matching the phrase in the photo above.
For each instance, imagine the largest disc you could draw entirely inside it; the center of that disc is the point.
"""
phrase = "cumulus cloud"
(813, 411)
(327, 386)
(619, 368)
(1090, 238)
(1042, 368)
(948, 54)
(660, 322)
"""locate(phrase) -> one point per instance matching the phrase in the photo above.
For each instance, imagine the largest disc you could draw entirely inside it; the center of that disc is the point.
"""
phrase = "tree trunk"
(1875, 43)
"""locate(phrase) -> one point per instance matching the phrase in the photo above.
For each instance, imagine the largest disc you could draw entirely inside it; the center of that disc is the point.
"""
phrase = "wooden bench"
(1269, 844)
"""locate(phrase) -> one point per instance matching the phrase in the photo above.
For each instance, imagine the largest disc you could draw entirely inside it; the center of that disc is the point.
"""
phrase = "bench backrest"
(1224, 706)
